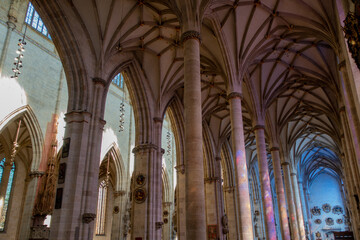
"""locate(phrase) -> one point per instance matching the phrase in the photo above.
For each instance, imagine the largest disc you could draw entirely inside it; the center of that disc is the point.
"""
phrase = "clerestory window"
(33, 19)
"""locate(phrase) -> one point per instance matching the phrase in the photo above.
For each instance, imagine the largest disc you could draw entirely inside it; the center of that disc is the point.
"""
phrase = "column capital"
(77, 116)
(292, 174)
(234, 95)
(274, 149)
(36, 174)
(190, 35)
(342, 65)
(88, 217)
(158, 119)
(99, 81)
(211, 179)
(119, 193)
(257, 127)
(11, 22)
(285, 164)
(180, 168)
(229, 189)
(144, 147)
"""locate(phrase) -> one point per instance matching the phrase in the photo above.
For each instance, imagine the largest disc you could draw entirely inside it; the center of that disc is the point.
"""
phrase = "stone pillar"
(144, 222)
(242, 181)
(11, 26)
(279, 186)
(30, 194)
(231, 200)
(299, 212)
(117, 230)
(303, 204)
(166, 218)
(212, 216)
(290, 202)
(265, 183)
(77, 188)
(180, 224)
(194, 174)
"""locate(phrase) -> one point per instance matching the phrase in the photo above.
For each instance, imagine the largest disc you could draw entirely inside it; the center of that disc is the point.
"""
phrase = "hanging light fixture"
(122, 106)
(20, 56)
(168, 138)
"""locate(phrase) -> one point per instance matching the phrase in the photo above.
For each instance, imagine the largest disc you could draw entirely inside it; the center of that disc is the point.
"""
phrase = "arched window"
(7, 194)
(33, 19)
(101, 209)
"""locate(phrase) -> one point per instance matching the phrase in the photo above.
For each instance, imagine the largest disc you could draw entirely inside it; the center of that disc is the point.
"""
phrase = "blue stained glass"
(118, 80)
(33, 19)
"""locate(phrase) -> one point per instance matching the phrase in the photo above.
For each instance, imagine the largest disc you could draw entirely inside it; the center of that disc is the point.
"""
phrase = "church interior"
(179, 119)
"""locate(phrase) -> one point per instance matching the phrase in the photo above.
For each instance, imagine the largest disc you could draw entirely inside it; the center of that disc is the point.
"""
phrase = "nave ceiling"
(281, 54)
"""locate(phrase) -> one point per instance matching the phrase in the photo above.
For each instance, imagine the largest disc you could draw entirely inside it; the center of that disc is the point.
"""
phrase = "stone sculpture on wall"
(326, 207)
(316, 211)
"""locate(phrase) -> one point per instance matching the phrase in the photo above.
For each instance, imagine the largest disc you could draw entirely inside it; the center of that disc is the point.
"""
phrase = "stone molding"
(180, 168)
(211, 179)
(234, 95)
(144, 147)
(292, 174)
(285, 164)
(88, 217)
(229, 189)
(257, 127)
(190, 35)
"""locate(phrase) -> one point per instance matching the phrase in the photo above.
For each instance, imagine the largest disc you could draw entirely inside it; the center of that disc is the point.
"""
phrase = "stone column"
(279, 186)
(77, 190)
(303, 205)
(11, 26)
(290, 201)
(144, 223)
(265, 183)
(180, 224)
(231, 200)
(30, 194)
(299, 212)
(212, 216)
(242, 181)
(194, 174)
(117, 230)
(166, 218)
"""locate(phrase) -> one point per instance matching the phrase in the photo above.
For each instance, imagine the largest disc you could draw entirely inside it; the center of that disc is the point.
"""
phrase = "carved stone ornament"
(190, 35)
(352, 32)
(139, 195)
(40, 232)
(116, 210)
(158, 225)
(88, 217)
(140, 179)
(180, 168)
(318, 221)
(339, 221)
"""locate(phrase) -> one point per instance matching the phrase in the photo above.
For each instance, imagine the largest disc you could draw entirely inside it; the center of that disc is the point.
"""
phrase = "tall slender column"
(237, 133)
(117, 230)
(290, 202)
(194, 174)
(299, 212)
(265, 182)
(230, 204)
(279, 186)
(180, 203)
(303, 204)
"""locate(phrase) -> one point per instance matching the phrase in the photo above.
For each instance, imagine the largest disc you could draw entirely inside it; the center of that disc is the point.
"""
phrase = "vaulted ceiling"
(282, 54)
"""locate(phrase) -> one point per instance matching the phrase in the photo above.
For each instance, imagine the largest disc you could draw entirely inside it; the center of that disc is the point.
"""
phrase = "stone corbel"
(144, 147)
(88, 217)
(180, 168)
(211, 179)
(119, 193)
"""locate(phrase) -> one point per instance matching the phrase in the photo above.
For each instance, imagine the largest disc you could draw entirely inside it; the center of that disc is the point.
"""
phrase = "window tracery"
(33, 19)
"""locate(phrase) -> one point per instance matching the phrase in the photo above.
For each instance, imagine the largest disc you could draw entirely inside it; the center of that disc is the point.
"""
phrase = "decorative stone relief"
(88, 217)
(339, 221)
(40, 232)
(318, 221)
(139, 195)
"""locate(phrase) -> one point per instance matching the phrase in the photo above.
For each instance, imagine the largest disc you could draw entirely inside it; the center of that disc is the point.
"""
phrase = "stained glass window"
(33, 19)
(118, 80)
(7, 194)
(101, 208)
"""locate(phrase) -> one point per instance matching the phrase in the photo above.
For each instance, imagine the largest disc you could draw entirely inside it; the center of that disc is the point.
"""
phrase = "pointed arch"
(33, 126)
